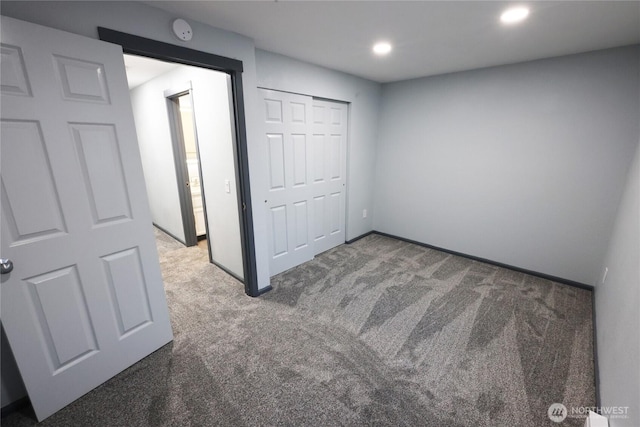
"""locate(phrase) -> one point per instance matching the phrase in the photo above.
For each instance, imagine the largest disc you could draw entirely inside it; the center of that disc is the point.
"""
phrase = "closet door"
(329, 168)
(287, 119)
(306, 200)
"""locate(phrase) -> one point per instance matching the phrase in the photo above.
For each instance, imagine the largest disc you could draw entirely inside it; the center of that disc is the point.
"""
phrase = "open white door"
(85, 298)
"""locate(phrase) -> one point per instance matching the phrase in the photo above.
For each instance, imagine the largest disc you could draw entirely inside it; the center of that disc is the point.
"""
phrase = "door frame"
(142, 46)
(180, 157)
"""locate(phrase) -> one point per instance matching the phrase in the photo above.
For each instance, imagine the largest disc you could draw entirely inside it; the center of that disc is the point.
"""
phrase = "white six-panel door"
(306, 145)
(85, 299)
(329, 141)
(287, 124)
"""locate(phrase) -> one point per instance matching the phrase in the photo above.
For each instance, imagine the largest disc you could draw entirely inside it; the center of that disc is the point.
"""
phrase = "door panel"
(66, 328)
(279, 231)
(336, 212)
(286, 118)
(301, 224)
(330, 136)
(299, 160)
(14, 76)
(318, 158)
(39, 212)
(85, 299)
(318, 218)
(307, 145)
(101, 164)
(82, 80)
(128, 290)
(276, 160)
(335, 167)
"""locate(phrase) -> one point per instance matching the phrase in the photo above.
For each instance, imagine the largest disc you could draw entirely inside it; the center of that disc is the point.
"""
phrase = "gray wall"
(522, 164)
(286, 74)
(215, 132)
(617, 303)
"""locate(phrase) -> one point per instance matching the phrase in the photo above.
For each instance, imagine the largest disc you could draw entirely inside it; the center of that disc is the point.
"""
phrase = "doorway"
(238, 187)
(187, 163)
(184, 122)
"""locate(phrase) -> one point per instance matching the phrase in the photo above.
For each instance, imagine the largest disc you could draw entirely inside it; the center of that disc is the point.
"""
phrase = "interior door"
(329, 168)
(307, 145)
(287, 120)
(176, 100)
(85, 298)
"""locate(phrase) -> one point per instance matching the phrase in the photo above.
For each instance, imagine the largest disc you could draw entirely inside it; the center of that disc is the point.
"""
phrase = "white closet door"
(287, 119)
(85, 299)
(307, 150)
(329, 168)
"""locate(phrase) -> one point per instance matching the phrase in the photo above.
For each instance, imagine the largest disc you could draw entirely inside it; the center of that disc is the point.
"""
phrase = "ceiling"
(140, 69)
(428, 37)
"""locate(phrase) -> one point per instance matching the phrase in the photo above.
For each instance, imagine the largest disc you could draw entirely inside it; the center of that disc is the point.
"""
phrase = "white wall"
(146, 21)
(286, 74)
(215, 133)
(521, 164)
(617, 308)
(154, 139)
(216, 139)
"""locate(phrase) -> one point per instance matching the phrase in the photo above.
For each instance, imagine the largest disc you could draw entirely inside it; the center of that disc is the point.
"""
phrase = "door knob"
(6, 265)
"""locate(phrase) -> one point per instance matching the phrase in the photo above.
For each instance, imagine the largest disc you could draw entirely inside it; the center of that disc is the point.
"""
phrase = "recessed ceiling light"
(513, 15)
(381, 48)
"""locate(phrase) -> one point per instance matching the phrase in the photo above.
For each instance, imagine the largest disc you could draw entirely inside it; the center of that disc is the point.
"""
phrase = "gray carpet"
(379, 332)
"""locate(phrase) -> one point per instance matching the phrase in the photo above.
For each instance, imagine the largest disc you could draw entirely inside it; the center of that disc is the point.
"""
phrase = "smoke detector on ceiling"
(182, 30)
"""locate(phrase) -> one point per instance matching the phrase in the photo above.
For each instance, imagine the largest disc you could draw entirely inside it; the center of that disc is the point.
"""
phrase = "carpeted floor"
(379, 332)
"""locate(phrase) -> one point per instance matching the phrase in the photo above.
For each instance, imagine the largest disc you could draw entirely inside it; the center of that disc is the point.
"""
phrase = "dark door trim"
(182, 55)
(180, 161)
